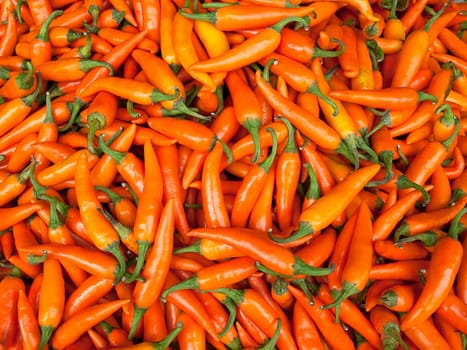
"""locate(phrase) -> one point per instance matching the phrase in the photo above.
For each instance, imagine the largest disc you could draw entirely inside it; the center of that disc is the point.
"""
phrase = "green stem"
(303, 285)
(182, 108)
(189, 283)
(164, 343)
(428, 239)
(424, 96)
(403, 182)
(267, 69)
(388, 298)
(315, 90)
(74, 108)
(137, 317)
(114, 249)
(318, 52)
(267, 163)
(435, 16)
(114, 154)
(220, 99)
(271, 343)
(46, 334)
(386, 158)
(232, 311)
(218, 5)
(85, 51)
(448, 142)
(86, 64)
(348, 289)
(194, 248)
(456, 194)
(25, 79)
(30, 99)
(37, 259)
(143, 248)
(290, 146)
(313, 191)
(43, 34)
(253, 125)
(131, 110)
(304, 229)
(456, 227)
(391, 330)
(114, 197)
(305, 21)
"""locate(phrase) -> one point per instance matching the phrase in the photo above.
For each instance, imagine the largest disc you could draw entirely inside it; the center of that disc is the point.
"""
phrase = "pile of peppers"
(251, 174)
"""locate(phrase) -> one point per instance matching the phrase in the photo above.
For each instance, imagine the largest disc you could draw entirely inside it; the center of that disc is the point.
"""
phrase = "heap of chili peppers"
(251, 174)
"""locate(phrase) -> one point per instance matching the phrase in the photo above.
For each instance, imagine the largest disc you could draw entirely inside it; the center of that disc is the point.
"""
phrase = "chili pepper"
(27, 322)
(318, 216)
(352, 316)
(392, 98)
(252, 244)
(256, 308)
(449, 333)
(17, 214)
(17, 109)
(424, 221)
(436, 286)
(425, 335)
(261, 216)
(136, 91)
(129, 166)
(185, 50)
(302, 48)
(187, 302)
(70, 330)
(456, 167)
(121, 207)
(250, 51)
(64, 170)
(216, 276)
(210, 249)
(408, 270)
(221, 319)
(215, 211)
(387, 325)
(332, 332)
(440, 195)
(453, 310)
(149, 207)
(172, 186)
(356, 271)
(13, 186)
(156, 268)
(400, 298)
(124, 232)
(375, 289)
(412, 53)
(234, 17)
(90, 260)
(51, 300)
(305, 330)
(389, 250)
(168, 11)
(41, 47)
(318, 131)
(10, 286)
(20, 84)
(154, 67)
(86, 294)
(194, 135)
(9, 38)
(154, 324)
(251, 186)
(71, 69)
